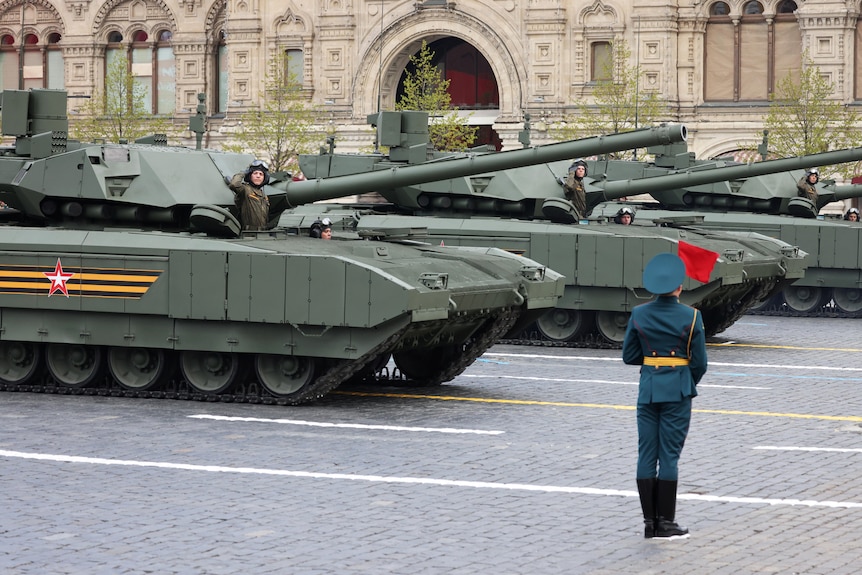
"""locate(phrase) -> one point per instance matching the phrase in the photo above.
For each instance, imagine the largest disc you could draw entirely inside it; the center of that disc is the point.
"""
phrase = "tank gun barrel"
(616, 189)
(380, 176)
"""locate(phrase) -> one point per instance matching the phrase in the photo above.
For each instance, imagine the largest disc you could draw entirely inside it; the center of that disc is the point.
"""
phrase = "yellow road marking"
(855, 418)
(764, 346)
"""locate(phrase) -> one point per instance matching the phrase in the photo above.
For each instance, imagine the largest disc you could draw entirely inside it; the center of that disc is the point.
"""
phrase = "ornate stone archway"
(404, 37)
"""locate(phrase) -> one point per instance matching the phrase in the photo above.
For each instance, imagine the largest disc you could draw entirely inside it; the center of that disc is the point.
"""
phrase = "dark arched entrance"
(472, 85)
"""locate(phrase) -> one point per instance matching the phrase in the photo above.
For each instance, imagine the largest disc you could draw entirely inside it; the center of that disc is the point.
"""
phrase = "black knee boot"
(646, 490)
(665, 526)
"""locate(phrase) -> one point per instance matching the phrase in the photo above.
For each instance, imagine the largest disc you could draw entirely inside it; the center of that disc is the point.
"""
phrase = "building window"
(601, 62)
(744, 62)
(221, 74)
(42, 66)
(295, 66)
(152, 65)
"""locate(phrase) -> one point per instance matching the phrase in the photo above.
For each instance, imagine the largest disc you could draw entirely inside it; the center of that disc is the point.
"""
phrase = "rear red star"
(58, 279)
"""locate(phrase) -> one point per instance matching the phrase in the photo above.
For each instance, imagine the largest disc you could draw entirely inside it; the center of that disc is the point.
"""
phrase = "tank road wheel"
(285, 375)
(564, 324)
(136, 368)
(848, 300)
(425, 365)
(73, 365)
(805, 299)
(210, 372)
(19, 361)
(611, 325)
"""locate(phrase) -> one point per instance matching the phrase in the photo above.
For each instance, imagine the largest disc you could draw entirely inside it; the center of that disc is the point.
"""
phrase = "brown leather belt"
(665, 361)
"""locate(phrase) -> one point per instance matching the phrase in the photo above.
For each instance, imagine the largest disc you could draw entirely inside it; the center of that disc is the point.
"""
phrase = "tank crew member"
(852, 215)
(574, 186)
(666, 338)
(806, 184)
(250, 198)
(625, 216)
(321, 229)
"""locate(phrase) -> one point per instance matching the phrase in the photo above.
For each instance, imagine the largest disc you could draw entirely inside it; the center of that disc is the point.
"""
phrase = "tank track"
(477, 345)
(252, 392)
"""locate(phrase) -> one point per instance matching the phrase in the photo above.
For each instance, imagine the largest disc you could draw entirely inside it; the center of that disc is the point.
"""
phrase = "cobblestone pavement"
(522, 465)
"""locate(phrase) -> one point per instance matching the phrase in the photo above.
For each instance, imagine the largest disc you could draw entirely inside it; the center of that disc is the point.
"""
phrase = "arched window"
(745, 59)
(719, 9)
(151, 62)
(42, 66)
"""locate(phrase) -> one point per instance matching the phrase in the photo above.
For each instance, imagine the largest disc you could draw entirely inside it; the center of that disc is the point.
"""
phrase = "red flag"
(698, 261)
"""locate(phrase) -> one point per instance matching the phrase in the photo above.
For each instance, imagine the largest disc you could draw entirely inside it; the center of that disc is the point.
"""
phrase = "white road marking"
(711, 363)
(420, 480)
(349, 425)
(796, 448)
(602, 381)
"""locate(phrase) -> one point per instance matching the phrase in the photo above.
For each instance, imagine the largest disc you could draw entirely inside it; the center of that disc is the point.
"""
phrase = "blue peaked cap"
(664, 273)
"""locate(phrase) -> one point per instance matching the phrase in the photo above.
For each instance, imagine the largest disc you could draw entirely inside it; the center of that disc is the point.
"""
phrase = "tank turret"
(523, 208)
(123, 271)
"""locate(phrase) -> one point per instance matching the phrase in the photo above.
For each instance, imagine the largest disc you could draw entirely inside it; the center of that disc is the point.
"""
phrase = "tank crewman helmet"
(258, 166)
(664, 273)
(625, 210)
(578, 162)
(852, 211)
(318, 226)
(812, 172)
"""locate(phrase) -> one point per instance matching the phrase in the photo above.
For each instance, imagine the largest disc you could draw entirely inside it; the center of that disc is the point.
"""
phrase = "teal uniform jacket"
(665, 328)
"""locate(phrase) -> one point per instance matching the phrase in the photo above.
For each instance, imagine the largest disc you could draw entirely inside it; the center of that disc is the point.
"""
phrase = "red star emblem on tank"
(58, 279)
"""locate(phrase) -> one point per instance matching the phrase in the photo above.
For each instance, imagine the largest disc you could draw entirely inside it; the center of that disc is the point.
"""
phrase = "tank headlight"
(434, 281)
(533, 273)
(790, 251)
(734, 255)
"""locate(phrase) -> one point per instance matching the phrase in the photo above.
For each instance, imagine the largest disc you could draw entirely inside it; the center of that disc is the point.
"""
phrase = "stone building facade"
(714, 62)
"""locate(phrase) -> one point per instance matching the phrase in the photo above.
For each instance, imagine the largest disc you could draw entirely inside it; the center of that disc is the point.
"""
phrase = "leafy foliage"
(804, 118)
(285, 126)
(426, 89)
(620, 103)
(119, 111)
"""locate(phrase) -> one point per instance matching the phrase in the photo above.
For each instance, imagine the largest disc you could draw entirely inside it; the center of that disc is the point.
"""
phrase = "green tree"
(119, 111)
(804, 118)
(620, 103)
(425, 89)
(285, 126)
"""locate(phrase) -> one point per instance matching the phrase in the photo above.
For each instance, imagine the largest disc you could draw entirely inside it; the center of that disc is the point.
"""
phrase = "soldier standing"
(667, 339)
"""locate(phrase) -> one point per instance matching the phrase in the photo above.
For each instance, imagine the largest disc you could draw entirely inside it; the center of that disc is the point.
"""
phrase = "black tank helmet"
(318, 226)
(852, 211)
(257, 165)
(579, 162)
(618, 217)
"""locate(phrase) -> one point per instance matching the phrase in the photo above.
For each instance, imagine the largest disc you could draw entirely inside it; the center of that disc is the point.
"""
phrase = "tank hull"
(603, 264)
(271, 314)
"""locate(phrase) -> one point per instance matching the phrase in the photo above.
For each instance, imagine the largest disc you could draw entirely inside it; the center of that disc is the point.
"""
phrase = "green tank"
(124, 271)
(760, 197)
(520, 206)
